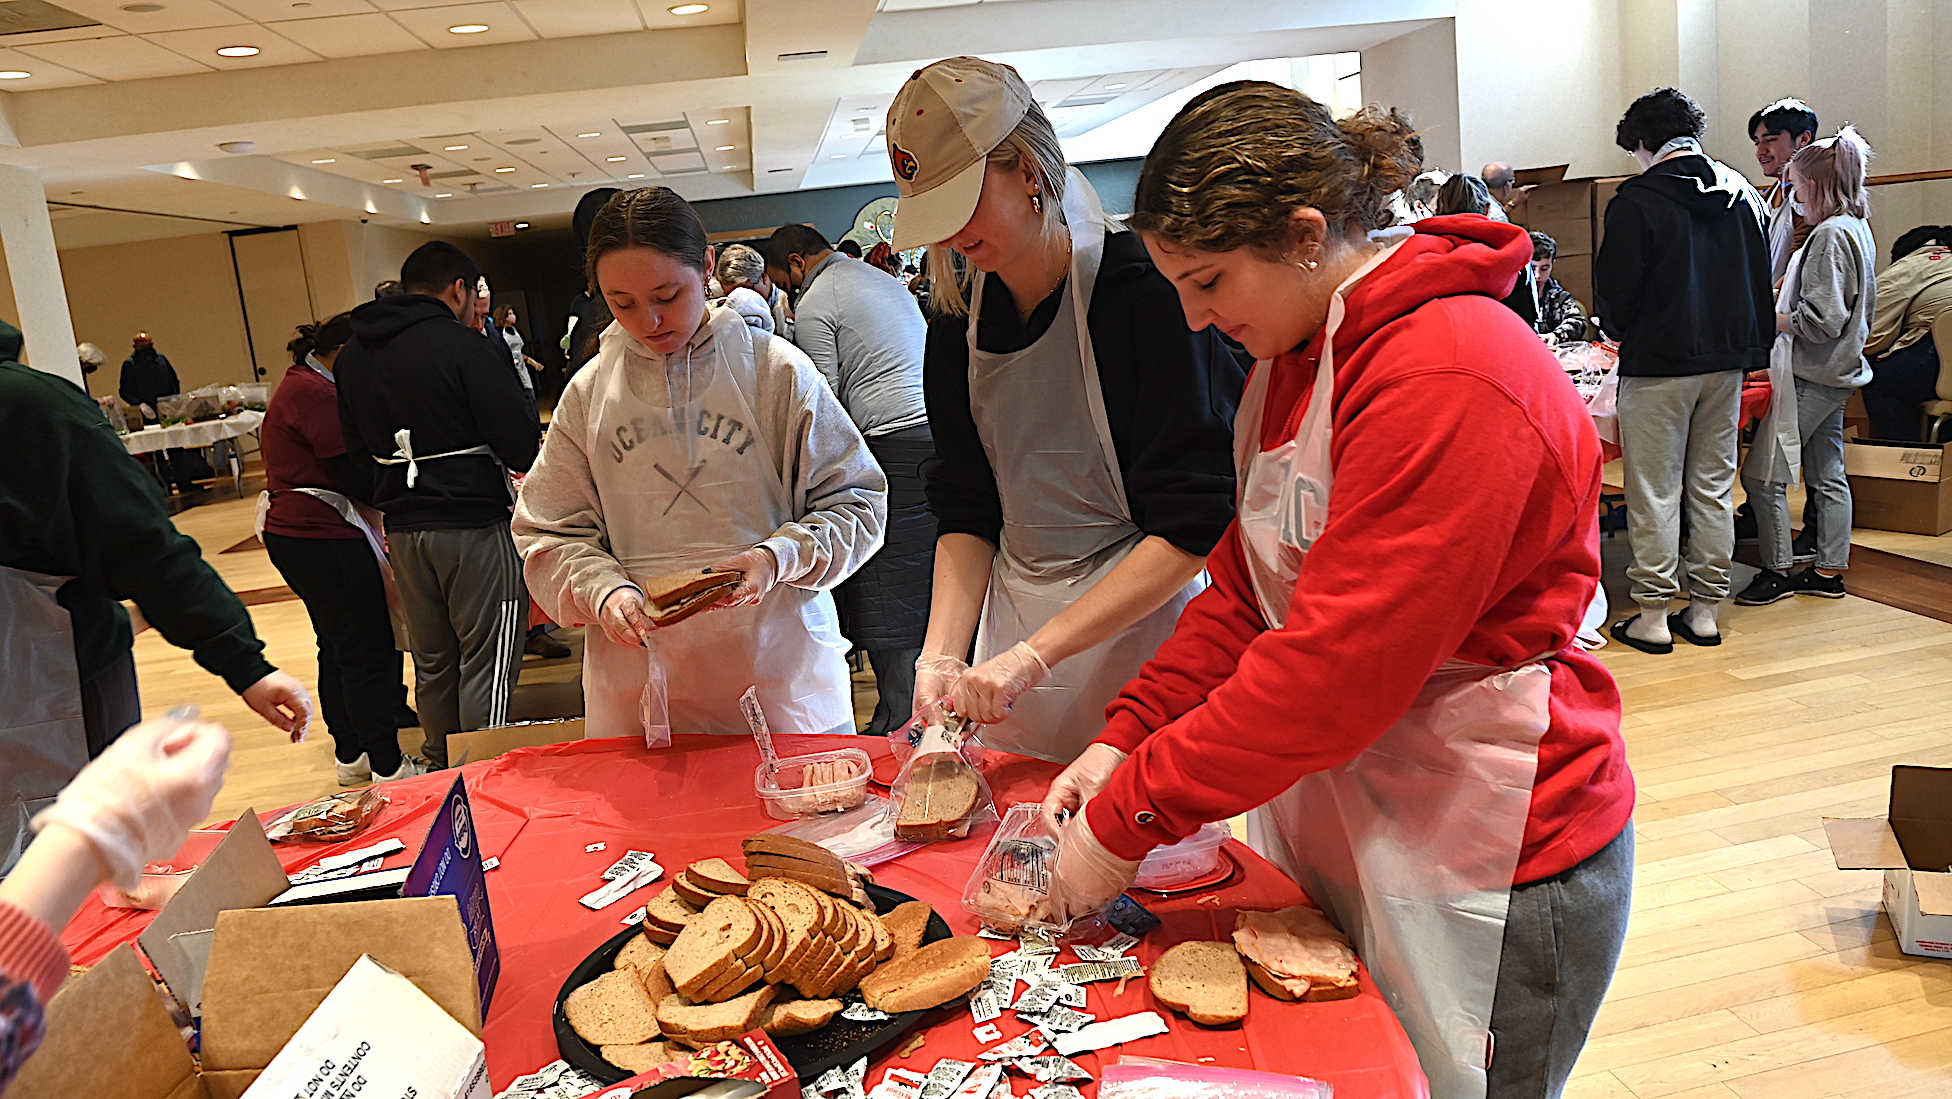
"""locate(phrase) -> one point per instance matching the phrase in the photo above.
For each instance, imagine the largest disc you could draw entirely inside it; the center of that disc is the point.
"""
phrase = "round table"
(537, 809)
(189, 436)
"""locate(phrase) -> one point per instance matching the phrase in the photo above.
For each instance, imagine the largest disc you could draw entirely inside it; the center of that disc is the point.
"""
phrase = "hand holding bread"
(622, 617)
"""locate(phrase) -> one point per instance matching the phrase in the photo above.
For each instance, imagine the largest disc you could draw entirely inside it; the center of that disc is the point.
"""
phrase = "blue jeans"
(1820, 421)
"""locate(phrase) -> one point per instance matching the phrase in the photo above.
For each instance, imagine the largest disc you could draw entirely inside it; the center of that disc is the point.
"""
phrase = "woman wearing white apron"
(1081, 432)
(693, 441)
(1382, 670)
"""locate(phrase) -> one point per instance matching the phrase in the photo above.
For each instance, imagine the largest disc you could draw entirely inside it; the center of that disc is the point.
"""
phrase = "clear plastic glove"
(935, 676)
(986, 692)
(1079, 783)
(1086, 877)
(281, 700)
(761, 571)
(623, 619)
(138, 800)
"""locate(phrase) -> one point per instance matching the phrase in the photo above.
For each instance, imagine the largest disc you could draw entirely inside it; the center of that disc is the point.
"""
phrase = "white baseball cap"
(941, 128)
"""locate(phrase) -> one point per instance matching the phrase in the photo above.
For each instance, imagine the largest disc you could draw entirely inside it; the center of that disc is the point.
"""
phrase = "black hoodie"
(412, 365)
(1682, 276)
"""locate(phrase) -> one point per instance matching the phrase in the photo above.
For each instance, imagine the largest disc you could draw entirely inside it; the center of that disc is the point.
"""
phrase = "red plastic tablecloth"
(538, 808)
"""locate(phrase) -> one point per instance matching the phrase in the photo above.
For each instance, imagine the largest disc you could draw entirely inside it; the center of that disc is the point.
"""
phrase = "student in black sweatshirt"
(74, 506)
(432, 409)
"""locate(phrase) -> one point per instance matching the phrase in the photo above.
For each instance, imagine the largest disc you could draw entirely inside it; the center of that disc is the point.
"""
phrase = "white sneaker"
(409, 767)
(352, 774)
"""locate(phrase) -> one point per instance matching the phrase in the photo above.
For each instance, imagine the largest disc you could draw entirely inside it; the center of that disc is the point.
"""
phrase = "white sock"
(1700, 617)
(1651, 626)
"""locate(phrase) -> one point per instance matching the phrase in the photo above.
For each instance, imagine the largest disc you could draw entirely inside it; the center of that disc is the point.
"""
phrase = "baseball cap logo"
(904, 163)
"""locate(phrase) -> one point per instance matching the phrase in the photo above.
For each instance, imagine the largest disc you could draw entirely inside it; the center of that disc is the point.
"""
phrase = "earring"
(1037, 201)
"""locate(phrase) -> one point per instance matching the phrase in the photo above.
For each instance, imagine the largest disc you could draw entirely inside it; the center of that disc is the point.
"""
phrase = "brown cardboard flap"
(242, 872)
(1921, 815)
(191, 1089)
(1863, 843)
(231, 1084)
(1934, 893)
(488, 743)
(270, 968)
(109, 1037)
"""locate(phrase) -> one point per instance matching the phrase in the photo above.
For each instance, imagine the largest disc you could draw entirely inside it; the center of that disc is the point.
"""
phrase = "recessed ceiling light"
(726, 148)
(521, 225)
(453, 148)
(1113, 87)
(616, 159)
(392, 181)
(717, 121)
(689, 9)
(504, 169)
(238, 51)
(14, 74)
(538, 185)
(599, 134)
(468, 28)
(327, 160)
(449, 194)
(838, 156)
(635, 175)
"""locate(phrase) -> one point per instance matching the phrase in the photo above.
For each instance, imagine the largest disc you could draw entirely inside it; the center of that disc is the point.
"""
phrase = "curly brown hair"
(1237, 161)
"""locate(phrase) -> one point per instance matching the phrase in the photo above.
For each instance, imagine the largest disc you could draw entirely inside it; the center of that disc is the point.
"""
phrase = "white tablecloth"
(181, 436)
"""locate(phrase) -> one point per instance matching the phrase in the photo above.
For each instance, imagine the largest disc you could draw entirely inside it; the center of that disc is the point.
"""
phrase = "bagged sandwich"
(1012, 883)
(940, 793)
(653, 707)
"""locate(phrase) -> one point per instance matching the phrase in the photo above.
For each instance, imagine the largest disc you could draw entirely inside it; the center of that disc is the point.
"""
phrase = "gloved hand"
(986, 692)
(1079, 783)
(761, 571)
(623, 619)
(281, 700)
(1085, 877)
(935, 676)
(138, 800)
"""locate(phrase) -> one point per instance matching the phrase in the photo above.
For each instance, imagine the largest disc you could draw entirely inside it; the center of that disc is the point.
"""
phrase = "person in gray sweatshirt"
(1825, 313)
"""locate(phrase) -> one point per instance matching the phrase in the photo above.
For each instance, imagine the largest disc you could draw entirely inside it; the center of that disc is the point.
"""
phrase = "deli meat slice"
(1301, 954)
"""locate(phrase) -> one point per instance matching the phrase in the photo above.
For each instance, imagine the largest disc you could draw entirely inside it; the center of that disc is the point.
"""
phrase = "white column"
(35, 268)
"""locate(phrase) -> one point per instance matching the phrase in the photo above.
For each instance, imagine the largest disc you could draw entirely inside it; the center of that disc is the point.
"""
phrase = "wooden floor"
(1753, 968)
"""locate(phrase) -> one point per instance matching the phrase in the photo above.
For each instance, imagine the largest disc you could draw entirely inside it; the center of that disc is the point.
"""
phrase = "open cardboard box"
(489, 743)
(1912, 844)
(1899, 486)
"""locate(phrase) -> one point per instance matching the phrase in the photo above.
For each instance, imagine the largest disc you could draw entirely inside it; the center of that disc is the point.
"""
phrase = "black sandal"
(1680, 629)
(1620, 634)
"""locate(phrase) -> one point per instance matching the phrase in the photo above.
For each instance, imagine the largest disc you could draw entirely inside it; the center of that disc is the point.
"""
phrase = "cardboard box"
(501, 740)
(1898, 461)
(1571, 200)
(1575, 273)
(376, 1033)
(752, 1058)
(1574, 236)
(1898, 486)
(1912, 844)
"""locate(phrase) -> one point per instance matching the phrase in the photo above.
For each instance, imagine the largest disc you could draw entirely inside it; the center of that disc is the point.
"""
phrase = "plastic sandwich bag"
(653, 706)
(1012, 883)
(940, 793)
(1150, 1078)
(864, 835)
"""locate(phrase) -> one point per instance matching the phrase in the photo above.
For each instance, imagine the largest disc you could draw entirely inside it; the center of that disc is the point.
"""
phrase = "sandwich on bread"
(675, 596)
(1296, 954)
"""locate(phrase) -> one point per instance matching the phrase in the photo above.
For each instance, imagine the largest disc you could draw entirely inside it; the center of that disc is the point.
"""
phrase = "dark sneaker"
(1768, 587)
(1812, 582)
(1803, 550)
(1746, 532)
(546, 647)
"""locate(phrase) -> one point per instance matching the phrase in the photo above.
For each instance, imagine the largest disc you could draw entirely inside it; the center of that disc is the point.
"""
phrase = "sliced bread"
(938, 796)
(644, 1056)
(612, 1010)
(713, 942)
(821, 877)
(639, 953)
(931, 976)
(691, 891)
(657, 984)
(699, 1025)
(884, 943)
(772, 843)
(718, 876)
(799, 1016)
(906, 924)
(668, 911)
(1204, 981)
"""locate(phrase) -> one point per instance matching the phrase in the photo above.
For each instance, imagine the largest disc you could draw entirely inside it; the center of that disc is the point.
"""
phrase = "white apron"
(1066, 523)
(43, 740)
(1777, 454)
(685, 482)
(1410, 847)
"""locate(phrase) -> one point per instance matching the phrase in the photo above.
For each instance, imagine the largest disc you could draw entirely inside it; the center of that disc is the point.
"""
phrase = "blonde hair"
(740, 265)
(1034, 141)
(1233, 166)
(1834, 170)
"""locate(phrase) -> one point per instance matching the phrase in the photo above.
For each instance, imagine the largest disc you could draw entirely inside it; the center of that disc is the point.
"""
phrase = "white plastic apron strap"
(1777, 456)
(366, 521)
(404, 455)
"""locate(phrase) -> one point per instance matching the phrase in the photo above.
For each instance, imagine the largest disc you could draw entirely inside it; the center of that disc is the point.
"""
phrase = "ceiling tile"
(572, 18)
(175, 15)
(28, 38)
(911, 5)
(124, 58)
(657, 14)
(350, 35)
(45, 75)
(406, 5)
(202, 45)
(430, 25)
(272, 11)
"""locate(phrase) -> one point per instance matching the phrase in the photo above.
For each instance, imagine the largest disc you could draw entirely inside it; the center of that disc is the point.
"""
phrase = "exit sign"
(501, 228)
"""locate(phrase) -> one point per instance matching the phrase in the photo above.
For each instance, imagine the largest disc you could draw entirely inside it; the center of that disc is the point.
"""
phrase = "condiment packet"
(1040, 998)
(980, 1083)
(988, 1032)
(1055, 1091)
(318, 874)
(1036, 938)
(1111, 1032)
(633, 919)
(1050, 1069)
(629, 864)
(987, 1002)
(1060, 1020)
(1079, 973)
(490, 863)
(1109, 950)
(1071, 996)
(839, 1082)
(537, 1080)
(1023, 1045)
(1130, 916)
(899, 1083)
(617, 890)
(859, 1012)
(988, 932)
(349, 862)
(945, 1078)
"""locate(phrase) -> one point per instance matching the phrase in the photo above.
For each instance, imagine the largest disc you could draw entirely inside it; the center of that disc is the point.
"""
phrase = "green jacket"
(74, 503)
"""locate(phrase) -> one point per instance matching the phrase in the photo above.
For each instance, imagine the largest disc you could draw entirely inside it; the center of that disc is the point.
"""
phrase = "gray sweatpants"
(1678, 449)
(1562, 939)
(467, 616)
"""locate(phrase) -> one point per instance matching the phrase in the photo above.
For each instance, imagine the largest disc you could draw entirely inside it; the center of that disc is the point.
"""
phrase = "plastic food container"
(786, 791)
(1191, 859)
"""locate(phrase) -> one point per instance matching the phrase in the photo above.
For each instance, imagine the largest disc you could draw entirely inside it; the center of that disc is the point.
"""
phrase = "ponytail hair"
(647, 217)
(1834, 171)
(320, 337)
(1237, 161)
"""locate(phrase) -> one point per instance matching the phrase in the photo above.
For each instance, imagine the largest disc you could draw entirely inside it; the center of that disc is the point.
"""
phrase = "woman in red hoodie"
(1382, 673)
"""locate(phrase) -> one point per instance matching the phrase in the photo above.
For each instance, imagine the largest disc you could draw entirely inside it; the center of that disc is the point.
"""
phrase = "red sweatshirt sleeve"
(1447, 497)
(30, 952)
